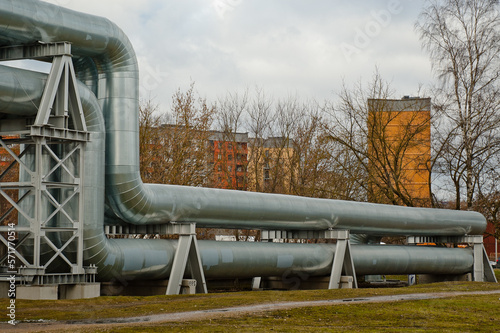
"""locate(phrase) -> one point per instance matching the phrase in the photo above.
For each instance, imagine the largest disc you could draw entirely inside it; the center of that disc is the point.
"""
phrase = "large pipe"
(106, 61)
(136, 259)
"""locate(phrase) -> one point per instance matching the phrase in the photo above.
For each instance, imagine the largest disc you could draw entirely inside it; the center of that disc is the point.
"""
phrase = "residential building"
(230, 159)
(270, 168)
(399, 148)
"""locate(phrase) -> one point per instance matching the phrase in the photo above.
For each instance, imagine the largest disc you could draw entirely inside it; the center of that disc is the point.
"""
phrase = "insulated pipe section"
(226, 260)
(14, 97)
(224, 208)
(106, 61)
(231, 260)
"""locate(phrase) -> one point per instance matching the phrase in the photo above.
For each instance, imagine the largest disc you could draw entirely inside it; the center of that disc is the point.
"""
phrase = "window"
(266, 175)
(229, 168)
(229, 157)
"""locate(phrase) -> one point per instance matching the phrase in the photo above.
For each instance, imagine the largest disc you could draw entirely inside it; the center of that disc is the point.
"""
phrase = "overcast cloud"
(287, 47)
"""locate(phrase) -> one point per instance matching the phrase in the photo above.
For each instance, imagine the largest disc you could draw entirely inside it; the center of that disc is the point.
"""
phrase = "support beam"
(187, 253)
(60, 99)
(342, 261)
(488, 275)
(41, 51)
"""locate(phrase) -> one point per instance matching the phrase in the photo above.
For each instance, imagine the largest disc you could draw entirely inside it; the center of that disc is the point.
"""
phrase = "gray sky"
(286, 47)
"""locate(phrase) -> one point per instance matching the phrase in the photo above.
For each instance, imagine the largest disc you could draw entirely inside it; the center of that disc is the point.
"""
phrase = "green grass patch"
(128, 306)
(456, 314)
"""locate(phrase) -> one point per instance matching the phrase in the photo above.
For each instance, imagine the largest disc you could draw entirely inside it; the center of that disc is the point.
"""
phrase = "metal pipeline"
(138, 259)
(106, 61)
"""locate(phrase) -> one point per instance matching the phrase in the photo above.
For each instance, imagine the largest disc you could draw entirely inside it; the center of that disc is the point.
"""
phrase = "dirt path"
(90, 325)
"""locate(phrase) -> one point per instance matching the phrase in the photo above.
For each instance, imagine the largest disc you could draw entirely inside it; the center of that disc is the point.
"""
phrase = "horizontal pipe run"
(223, 260)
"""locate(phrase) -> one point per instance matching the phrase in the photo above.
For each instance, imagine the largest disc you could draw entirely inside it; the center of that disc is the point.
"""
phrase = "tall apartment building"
(399, 142)
(230, 159)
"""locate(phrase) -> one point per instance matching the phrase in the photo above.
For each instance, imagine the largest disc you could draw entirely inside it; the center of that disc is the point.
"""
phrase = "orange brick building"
(399, 146)
(11, 176)
(230, 155)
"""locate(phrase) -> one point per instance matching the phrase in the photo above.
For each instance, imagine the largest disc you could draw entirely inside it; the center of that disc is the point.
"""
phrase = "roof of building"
(405, 104)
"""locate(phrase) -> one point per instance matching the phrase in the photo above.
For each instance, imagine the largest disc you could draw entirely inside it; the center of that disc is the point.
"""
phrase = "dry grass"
(460, 313)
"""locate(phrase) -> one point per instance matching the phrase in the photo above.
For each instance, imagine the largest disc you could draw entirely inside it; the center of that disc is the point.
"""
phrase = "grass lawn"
(457, 314)
(478, 313)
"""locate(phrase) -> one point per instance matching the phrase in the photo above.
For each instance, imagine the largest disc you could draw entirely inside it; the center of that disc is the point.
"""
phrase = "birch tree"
(462, 38)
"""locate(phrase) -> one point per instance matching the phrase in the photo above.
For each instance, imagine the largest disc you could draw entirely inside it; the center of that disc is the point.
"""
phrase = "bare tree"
(174, 147)
(260, 121)
(232, 145)
(290, 153)
(149, 136)
(349, 172)
(280, 148)
(487, 200)
(462, 38)
(309, 162)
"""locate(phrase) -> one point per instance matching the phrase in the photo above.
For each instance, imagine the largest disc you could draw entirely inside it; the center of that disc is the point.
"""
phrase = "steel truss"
(47, 196)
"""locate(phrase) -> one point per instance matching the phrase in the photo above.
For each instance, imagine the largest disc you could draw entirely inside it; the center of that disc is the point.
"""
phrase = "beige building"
(270, 165)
